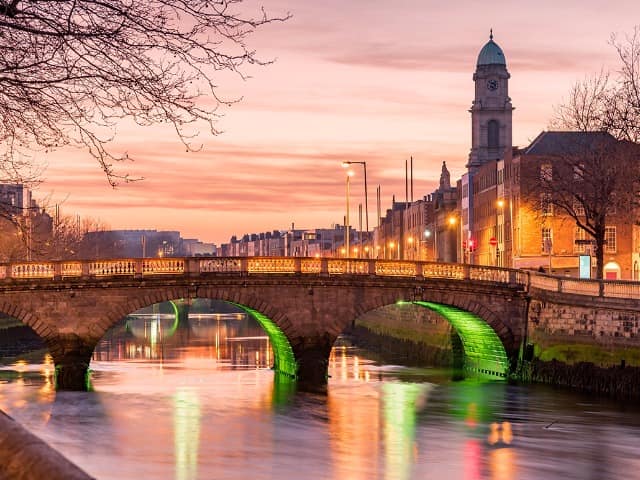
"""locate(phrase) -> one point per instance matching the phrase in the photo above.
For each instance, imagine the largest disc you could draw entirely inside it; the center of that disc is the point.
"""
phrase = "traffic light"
(472, 245)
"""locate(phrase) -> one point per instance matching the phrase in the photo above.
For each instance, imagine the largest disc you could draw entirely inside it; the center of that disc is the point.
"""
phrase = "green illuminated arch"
(284, 360)
(174, 325)
(484, 352)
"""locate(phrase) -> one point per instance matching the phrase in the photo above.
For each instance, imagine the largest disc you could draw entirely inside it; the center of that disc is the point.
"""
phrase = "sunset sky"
(373, 81)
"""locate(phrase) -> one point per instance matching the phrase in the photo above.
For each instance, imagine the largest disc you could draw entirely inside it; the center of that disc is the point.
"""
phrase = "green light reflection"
(402, 401)
(284, 360)
(484, 353)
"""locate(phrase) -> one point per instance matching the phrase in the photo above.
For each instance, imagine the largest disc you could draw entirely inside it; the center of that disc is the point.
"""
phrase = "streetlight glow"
(347, 164)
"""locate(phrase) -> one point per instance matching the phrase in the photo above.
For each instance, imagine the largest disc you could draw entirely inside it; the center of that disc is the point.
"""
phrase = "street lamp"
(453, 221)
(410, 242)
(427, 236)
(366, 198)
(347, 226)
(500, 240)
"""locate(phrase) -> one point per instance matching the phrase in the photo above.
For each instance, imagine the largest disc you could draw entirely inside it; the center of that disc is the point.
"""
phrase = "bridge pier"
(313, 363)
(71, 357)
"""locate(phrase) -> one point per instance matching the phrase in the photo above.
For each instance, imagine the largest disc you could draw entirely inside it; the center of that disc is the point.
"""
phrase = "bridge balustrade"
(317, 266)
(544, 282)
(621, 289)
(579, 287)
(271, 265)
(488, 274)
(71, 269)
(348, 267)
(398, 269)
(163, 266)
(444, 270)
(32, 270)
(107, 268)
(220, 265)
(310, 265)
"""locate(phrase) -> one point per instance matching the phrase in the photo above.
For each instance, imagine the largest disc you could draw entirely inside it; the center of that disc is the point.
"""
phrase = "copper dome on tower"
(491, 54)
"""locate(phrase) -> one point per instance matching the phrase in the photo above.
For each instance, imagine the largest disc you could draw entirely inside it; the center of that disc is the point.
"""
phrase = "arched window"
(493, 128)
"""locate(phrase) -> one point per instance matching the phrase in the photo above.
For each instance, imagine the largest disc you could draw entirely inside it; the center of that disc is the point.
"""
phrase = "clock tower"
(491, 108)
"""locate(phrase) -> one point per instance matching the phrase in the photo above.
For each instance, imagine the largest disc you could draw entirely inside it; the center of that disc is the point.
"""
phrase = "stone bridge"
(303, 303)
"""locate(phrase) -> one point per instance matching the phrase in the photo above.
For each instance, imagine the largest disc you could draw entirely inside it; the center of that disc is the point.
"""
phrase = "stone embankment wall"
(592, 345)
(23, 456)
(406, 334)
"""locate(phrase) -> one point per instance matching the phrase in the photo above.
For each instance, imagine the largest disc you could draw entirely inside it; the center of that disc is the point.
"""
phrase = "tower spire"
(491, 34)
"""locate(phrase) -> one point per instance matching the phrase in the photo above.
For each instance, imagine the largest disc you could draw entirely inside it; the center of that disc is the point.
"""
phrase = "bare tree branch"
(71, 69)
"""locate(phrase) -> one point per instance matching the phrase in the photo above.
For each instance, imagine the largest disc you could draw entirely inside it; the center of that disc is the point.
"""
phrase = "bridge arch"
(275, 324)
(483, 350)
(461, 301)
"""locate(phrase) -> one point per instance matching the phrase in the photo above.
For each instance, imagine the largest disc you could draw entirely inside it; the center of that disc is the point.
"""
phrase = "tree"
(591, 177)
(595, 173)
(71, 69)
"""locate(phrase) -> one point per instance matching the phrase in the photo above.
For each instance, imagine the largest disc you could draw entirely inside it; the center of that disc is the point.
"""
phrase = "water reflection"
(231, 339)
(186, 422)
(202, 403)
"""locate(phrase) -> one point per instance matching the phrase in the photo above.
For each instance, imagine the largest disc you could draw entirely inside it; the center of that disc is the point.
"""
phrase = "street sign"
(584, 261)
(493, 241)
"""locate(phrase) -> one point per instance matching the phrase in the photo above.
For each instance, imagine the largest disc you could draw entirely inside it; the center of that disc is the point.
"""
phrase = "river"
(198, 401)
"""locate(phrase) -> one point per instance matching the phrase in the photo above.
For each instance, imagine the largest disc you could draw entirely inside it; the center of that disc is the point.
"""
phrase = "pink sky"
(373, 81)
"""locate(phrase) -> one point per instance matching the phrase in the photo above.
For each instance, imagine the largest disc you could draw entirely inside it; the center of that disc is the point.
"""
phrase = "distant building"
(131, 244)
(192, 247)
(25, 228)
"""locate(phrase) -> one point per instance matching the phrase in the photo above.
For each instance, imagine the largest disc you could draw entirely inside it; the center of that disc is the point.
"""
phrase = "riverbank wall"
(405, 334)
(593, 348)
(23, 456)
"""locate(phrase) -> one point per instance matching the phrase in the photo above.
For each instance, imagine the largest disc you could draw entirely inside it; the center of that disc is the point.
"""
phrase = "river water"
(198, 401)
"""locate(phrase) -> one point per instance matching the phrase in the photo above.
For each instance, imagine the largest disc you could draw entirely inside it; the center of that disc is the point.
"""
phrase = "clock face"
(492, 84)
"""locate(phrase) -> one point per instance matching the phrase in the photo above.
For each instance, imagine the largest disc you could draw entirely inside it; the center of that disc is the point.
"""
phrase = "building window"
(493, 128)
(547, 239)
(546, 206)
(578, 172)
(610, 239)
(579, 236)
(578, 208)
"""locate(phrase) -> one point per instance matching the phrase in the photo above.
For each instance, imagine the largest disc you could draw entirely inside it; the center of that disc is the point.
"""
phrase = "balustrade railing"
(32, 270)
(107, 268)
(162, 266)
(220, 265)
(621, 289)
(271, 265)
(348, 267)
(316, 266)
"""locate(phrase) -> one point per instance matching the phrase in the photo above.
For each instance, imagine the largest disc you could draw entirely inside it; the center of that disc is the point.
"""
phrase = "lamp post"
(452, 221)
(427, 236)
(500, 234)
(366, 198)
(347, 226)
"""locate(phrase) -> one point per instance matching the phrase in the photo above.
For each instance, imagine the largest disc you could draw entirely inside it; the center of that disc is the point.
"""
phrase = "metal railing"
(144, 267)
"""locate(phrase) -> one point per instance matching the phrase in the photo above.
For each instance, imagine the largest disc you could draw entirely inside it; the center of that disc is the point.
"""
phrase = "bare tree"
(595, 174)
(71, 69)
(591, 178)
